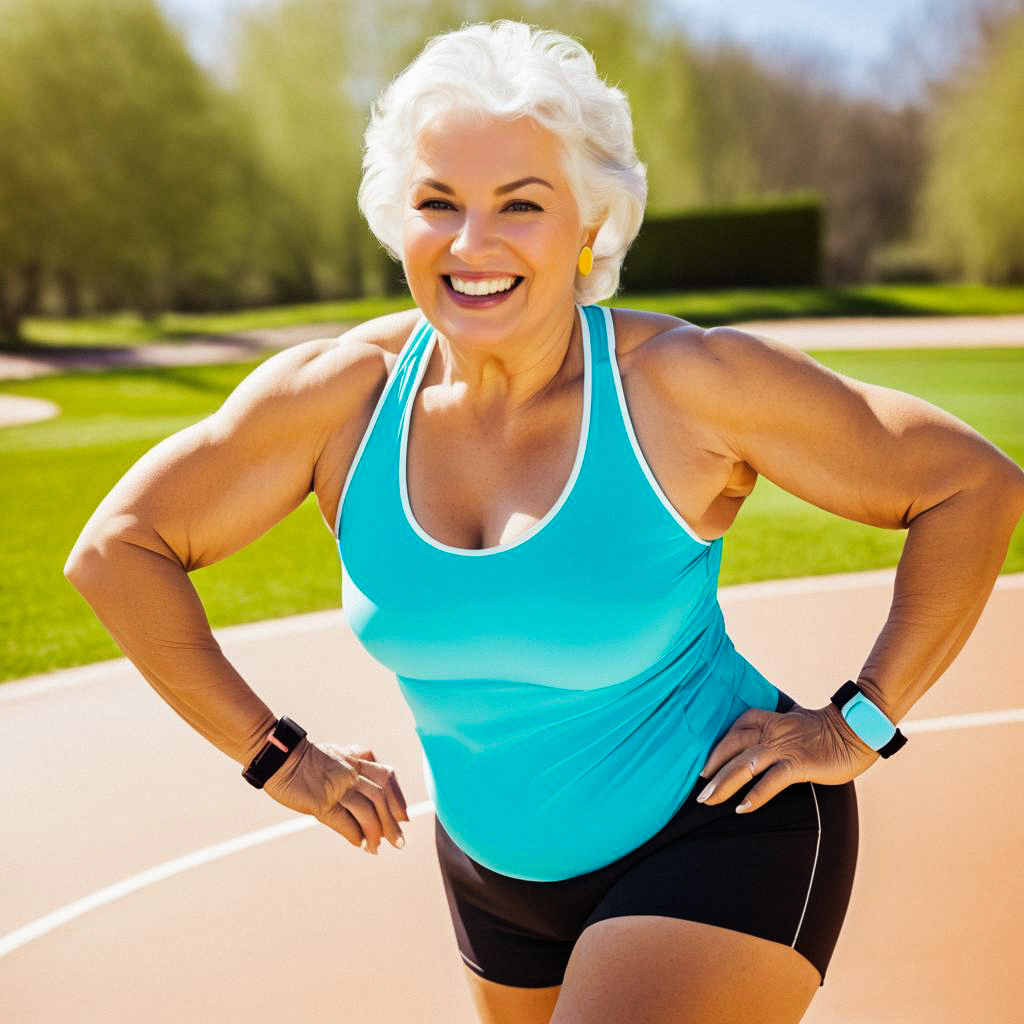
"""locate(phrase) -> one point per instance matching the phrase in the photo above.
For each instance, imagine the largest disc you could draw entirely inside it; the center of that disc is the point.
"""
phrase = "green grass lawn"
(709, 309)
(54, 473)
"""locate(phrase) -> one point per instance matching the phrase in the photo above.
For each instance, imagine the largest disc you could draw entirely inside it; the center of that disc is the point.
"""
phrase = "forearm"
(950, 561)
(150, 607)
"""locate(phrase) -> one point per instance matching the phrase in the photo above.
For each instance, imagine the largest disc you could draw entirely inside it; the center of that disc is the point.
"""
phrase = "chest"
(472, 491)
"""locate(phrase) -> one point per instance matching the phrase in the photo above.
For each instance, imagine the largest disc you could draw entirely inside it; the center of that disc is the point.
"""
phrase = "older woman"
(530, 493)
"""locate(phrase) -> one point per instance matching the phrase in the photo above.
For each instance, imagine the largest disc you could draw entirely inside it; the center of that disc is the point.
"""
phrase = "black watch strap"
(850, 689)
(897, 741)
(280, 743)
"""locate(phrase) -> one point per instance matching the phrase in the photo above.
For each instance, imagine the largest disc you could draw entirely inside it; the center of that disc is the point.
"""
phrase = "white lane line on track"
(334, 617)
(969, 721)
(50, 922)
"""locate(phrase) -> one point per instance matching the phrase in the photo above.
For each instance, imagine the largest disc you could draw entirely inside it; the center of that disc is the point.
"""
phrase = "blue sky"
(856, 38)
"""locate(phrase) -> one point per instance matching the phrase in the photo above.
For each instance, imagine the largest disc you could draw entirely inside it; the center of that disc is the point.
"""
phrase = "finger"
(388, 826)
(342, 821)
(340, 754)
(737, 772)
(395, 799)
(743, 732)
(771, 783)
(364, 810)
(399, 796)
(364, 762)
(384, 776)
(738, 738)
(393, 805)
(388, 818)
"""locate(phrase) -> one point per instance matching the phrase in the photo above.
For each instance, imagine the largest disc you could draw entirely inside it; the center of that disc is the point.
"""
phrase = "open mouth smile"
(477, 301)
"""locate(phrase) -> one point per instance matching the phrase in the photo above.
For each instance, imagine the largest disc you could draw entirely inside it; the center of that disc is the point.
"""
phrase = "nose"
(474, 242)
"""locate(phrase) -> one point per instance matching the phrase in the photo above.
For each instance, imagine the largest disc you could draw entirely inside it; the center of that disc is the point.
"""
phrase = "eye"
(515, 202)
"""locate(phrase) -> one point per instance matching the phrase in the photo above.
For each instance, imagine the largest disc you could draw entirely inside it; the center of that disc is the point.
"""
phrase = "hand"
(344, 788)
(799, 745)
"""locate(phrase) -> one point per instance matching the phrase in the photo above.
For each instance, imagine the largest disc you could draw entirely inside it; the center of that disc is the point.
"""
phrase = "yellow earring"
(586, 260)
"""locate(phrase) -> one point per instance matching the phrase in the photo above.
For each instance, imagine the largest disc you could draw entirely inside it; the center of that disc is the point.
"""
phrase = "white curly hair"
(509, 69)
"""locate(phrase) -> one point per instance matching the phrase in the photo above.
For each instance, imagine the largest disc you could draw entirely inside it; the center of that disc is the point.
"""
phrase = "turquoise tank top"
(566, 687)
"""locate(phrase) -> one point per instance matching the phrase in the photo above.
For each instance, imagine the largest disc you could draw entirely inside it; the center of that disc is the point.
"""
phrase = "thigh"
(509, 1004)
(663, 970)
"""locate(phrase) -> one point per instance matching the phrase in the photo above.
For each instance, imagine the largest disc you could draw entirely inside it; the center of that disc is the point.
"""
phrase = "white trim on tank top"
(588, 387)
(640, 457)
(421, 323)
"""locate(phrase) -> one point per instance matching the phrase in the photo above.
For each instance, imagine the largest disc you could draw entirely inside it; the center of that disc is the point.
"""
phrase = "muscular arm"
(877, 456)
(197, 497)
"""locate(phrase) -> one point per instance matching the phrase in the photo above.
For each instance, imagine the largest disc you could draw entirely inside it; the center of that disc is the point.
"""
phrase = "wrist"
(844, 731)
(284, 739)
(876, 696)
(256, 740)
(857, 714)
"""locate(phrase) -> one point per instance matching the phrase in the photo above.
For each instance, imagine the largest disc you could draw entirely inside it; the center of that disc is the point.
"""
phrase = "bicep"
(865, 452)
(212, 488)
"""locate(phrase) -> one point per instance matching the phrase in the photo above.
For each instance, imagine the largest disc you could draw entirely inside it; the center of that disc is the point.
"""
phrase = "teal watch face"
(868, 721)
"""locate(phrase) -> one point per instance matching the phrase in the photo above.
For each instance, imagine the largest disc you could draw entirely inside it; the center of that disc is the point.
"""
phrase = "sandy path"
(806, 334)
(18, 409)
(818, 333)
(893, 332)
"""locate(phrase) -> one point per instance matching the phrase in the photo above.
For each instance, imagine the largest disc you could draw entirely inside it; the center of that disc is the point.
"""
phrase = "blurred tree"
(637, 50)
(771, 130)
(130, 178)
(971, 214)
(124, 170)
(716, 124)
(298, 76)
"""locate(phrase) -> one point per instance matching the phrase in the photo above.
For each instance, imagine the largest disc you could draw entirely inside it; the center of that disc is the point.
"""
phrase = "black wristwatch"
(867, 719)
(281, 741)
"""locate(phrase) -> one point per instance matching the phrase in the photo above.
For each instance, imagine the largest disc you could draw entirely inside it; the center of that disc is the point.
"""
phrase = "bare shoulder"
(691, 372)
(338, 375)
(388, 333)
(724, 377)
(636, 327)
(657, 347)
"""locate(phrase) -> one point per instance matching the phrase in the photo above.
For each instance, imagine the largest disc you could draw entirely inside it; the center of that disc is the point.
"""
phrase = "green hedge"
(763, 243)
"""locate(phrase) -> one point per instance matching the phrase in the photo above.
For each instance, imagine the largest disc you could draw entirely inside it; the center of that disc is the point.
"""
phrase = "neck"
(497, 383)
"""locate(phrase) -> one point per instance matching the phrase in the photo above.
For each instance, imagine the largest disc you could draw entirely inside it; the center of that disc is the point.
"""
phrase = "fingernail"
(400, 842)
(707, 791)
(363, 843)
(745, 806)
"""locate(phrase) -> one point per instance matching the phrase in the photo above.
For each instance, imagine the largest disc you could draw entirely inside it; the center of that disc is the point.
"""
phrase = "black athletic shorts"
(783, 872)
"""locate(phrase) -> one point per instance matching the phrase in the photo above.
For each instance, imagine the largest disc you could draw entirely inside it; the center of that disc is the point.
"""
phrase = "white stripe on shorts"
(817, 846)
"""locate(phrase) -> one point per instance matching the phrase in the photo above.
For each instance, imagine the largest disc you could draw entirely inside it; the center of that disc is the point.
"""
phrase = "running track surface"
(102, 782)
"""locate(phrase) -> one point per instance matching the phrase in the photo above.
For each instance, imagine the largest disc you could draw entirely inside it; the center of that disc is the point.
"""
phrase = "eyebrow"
(500, 190)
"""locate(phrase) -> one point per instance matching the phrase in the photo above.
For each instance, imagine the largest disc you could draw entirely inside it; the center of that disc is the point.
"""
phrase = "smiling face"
(461, 219)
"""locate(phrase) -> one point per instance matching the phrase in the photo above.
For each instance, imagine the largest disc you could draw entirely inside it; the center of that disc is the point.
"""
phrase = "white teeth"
(489, 287)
